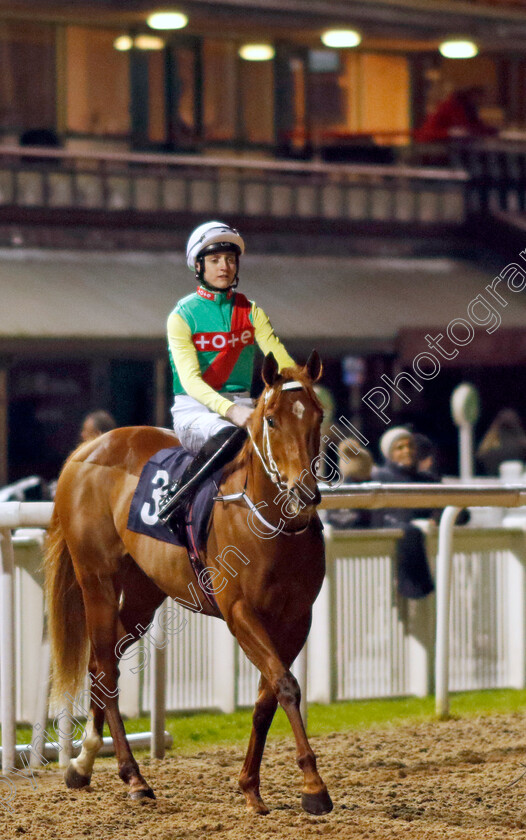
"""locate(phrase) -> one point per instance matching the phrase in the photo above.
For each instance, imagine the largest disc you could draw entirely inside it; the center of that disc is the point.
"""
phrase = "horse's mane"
(290, 374)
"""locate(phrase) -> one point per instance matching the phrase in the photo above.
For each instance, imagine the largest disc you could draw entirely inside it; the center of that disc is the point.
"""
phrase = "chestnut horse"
(104, 582)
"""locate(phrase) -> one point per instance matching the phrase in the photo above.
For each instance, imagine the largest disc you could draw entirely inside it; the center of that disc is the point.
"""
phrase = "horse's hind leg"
(264, 711)
(135, 614)
(138, 597)
(79, 770)
(101, 606)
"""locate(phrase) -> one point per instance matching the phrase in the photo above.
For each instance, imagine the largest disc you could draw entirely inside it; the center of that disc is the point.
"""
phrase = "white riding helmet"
(209, 234)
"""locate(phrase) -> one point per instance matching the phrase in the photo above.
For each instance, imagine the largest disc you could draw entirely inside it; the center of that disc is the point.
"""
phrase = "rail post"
(42, 700)
(321, 636)
(445, 545)
(300, 668)
(516, 604)
(158, 697)
(7, 649)
(225, 668)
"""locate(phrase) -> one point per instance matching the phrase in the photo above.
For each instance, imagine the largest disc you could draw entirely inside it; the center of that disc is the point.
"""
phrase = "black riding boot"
(215, 453)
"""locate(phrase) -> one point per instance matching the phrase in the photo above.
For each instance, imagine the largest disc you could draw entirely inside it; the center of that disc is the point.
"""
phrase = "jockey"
(211, 335)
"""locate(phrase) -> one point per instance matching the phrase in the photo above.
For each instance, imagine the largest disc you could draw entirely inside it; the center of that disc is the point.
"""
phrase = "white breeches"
(194, 423)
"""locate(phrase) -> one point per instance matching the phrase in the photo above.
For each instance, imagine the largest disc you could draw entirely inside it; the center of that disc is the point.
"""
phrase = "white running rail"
(37, 514)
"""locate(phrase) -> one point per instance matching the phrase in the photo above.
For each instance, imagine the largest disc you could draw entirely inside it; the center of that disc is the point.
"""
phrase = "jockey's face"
(220, 269)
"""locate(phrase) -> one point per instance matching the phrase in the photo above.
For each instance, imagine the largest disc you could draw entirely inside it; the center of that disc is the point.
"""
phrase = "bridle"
(269, 465)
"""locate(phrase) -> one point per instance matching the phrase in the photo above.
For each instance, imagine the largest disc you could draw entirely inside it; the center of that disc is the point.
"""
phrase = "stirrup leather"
(215, 453)
(172, 497)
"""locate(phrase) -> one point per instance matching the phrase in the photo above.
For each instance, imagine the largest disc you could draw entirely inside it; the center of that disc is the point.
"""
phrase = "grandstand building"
(116, 138)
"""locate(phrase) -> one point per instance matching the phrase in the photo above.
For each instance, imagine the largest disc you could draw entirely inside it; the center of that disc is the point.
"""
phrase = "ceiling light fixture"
(458, 49)
(167, 19)
(257, 52)
(148, 42)
(123, 43)
(341, 38)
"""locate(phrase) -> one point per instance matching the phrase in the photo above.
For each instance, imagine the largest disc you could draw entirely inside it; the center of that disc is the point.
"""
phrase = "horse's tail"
(66, 617)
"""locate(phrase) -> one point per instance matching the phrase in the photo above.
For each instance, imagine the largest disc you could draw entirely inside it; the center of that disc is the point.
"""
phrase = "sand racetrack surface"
(430, 780)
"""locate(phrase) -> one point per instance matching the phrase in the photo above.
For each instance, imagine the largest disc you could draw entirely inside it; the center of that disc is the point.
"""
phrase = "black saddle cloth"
(163, 468)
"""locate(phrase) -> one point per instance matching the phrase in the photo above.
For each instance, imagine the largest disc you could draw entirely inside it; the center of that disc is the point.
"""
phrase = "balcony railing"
(497, 174)
(53, 180)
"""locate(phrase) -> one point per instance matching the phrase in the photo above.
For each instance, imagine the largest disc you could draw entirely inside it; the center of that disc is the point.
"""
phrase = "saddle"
(191, 529)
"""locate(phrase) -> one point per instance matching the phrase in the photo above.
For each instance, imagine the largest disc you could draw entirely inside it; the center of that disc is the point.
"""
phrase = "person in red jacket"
(455, 117)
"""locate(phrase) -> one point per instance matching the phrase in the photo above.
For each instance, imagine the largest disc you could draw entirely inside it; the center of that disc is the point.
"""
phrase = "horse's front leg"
(259, 647)
(264, 710)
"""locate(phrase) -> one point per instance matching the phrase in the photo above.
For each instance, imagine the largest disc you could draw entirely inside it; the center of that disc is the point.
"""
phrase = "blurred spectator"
(96, 423)
(399, 450)
(40, 137)
(426, 455)
(455, 117)
(31, 489)
(505, 440)
(355, 465)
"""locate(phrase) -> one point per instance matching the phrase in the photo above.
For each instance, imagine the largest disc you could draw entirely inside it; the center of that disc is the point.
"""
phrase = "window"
(257, 101)
(184, 116)
(367, 95)
(97, 83)
(156, 76)
(27, 80)
(220, 90)
(238, 95)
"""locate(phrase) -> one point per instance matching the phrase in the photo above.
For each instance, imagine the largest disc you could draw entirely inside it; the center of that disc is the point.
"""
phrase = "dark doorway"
(48, 401)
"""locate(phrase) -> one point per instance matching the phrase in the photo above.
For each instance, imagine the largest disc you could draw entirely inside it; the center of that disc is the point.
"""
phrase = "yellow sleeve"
(268, 340)
(185, 358)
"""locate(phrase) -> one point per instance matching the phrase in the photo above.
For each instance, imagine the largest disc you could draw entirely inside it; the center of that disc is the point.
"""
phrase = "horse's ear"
(270, 370)
(314, 367)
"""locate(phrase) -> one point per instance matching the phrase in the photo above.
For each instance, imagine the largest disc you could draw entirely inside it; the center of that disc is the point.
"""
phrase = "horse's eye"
(270, 421)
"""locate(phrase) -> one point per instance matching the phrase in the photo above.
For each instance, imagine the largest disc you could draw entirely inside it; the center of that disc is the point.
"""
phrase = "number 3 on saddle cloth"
(165, 467)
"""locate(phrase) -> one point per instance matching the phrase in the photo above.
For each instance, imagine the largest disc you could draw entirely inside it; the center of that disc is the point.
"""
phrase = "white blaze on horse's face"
(298, 409)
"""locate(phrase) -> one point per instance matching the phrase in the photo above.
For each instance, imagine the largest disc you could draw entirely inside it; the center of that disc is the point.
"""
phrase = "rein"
(269, 465)
(242, 495)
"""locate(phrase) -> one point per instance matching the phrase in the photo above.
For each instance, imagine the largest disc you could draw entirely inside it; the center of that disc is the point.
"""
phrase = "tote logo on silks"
(221, 340)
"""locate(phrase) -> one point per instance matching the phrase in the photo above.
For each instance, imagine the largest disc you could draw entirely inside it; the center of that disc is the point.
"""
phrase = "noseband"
(269, 465)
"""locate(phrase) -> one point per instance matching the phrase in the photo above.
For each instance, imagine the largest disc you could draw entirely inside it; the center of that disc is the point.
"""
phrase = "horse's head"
(285, 429)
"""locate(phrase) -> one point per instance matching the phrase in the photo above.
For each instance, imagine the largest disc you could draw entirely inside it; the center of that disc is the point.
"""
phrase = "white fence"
(366, 641)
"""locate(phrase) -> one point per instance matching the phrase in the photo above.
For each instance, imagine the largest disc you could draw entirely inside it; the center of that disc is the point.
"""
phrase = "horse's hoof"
(142, 796)
(317, 803)
(74, 779)
(256, 805)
